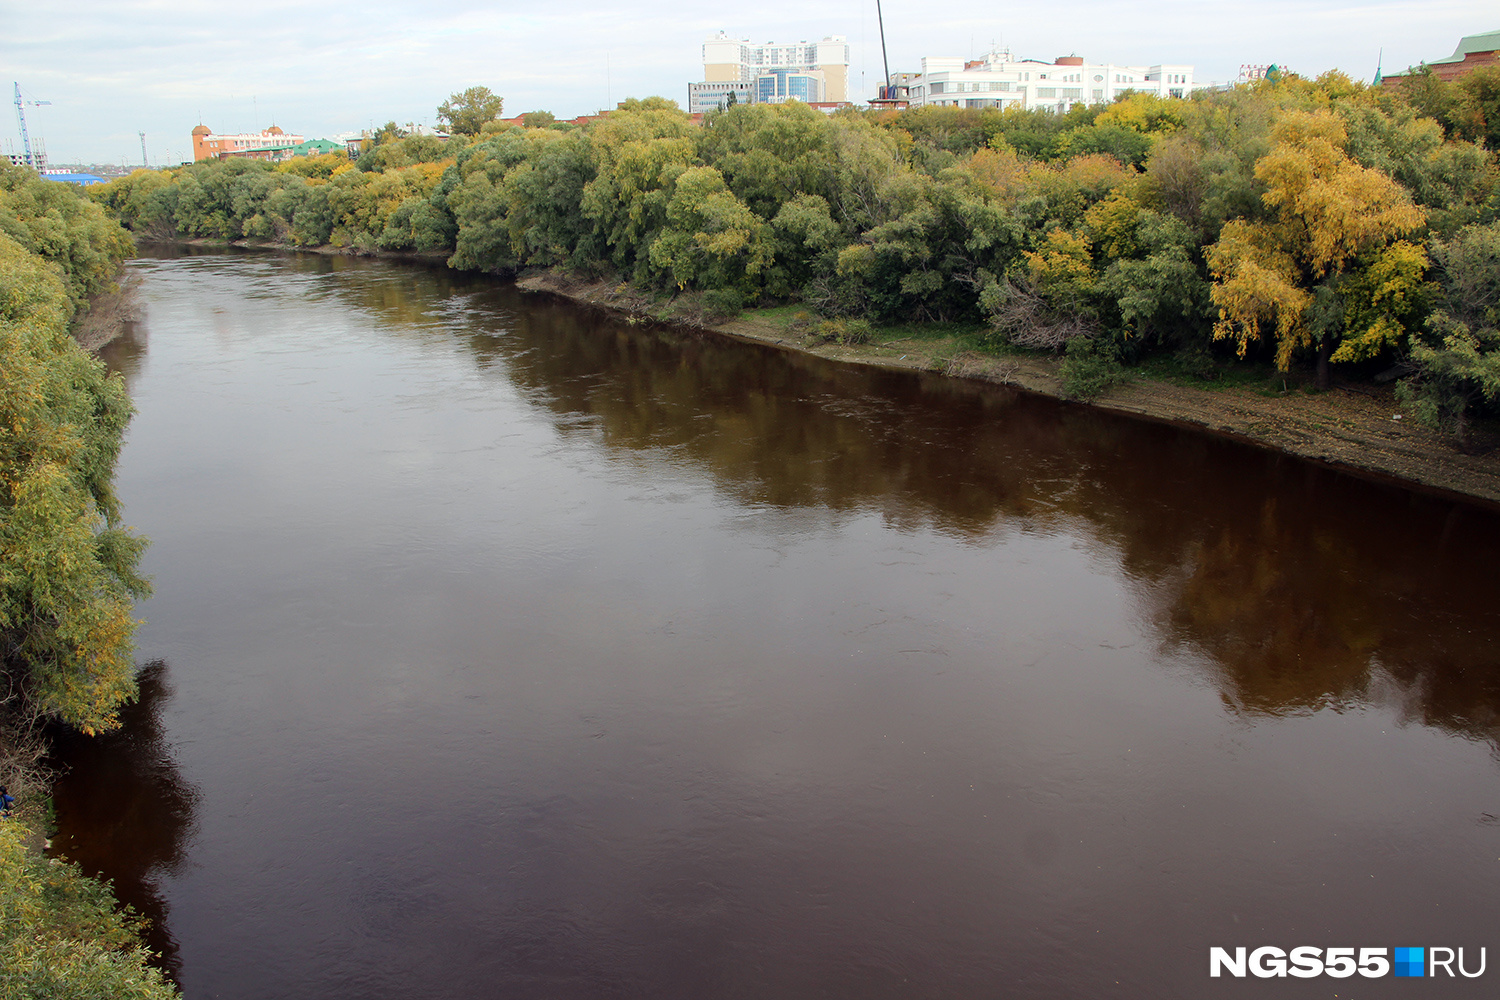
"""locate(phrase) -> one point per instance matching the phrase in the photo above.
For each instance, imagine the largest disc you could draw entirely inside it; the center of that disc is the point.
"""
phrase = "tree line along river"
(499, 648)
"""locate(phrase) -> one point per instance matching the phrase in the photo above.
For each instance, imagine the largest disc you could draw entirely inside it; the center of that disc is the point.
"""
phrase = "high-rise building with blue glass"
(770, 73)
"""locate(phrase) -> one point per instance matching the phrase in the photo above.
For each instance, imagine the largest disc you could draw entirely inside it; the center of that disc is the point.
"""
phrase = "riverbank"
(1361, 428)
(108, 314)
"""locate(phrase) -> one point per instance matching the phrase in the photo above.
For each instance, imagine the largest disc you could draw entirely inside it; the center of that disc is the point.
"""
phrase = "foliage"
(67, 567)
(1458, 360)
(61, 935)
(468, 111)
(1330, 213)
(1147, 114)
(1159, 291)
(51, 220)
(1458, 368)
(723, 303)
(846, 331)
(1089, 368)
(67, 573)
(516, 200)
(1467, 108)
(1290, 218)
(710, 239)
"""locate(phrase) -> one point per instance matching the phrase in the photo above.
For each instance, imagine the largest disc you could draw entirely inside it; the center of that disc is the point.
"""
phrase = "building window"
(1046, 92)
(1096, 94)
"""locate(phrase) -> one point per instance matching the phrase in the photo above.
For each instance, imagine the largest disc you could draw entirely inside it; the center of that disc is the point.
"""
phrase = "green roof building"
(317, 147)
(1473, 52)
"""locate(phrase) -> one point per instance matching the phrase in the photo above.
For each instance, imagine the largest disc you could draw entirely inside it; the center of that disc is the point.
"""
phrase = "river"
(502, 648)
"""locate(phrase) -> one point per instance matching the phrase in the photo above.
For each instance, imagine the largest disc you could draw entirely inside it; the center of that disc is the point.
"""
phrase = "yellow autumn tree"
(1281, 277)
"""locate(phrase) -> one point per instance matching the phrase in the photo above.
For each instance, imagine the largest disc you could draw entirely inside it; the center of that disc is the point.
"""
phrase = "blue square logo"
(1409, 962)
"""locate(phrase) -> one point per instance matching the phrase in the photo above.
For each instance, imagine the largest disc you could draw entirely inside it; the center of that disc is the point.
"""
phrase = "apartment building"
(770, 73)
(1000, 81)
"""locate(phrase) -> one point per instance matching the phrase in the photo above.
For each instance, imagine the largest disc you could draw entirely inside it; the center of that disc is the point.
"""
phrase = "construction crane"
(885, 62)
(21, 117)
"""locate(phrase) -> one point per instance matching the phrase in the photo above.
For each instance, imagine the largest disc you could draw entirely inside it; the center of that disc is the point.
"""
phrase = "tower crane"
(21, 117)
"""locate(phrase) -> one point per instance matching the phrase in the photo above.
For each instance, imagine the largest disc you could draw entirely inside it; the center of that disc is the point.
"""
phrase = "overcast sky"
(114, 69)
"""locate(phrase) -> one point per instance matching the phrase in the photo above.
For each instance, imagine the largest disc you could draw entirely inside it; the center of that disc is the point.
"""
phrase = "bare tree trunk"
(1325, 350)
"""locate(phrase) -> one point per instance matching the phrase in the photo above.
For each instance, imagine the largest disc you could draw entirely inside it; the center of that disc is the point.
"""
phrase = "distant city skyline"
(112, 70)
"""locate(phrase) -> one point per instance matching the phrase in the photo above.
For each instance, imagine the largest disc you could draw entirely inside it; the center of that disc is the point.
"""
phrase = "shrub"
(723, 303)
(61, 935)
(846, 331)
(1089, 368)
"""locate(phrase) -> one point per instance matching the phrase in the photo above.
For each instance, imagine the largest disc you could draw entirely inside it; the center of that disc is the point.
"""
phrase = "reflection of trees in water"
(124, 811)
(1299, 587)
(1299, 608)
(127, 352)
(788, 430)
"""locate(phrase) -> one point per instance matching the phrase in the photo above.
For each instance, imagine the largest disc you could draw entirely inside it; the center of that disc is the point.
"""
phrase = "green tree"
(711, 239)
(517, 201)
(67, 566)
(1458, 360)
(1160, 292)
(1480, 97)
(56, 222)
(467, 112)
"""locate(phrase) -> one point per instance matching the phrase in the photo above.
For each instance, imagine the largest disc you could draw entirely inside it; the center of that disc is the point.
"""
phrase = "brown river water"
(502, 649)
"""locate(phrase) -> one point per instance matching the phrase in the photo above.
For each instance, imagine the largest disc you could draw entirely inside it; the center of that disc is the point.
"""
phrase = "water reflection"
(124, 809)
(1301, 587)
(126, 354)
(591, 659)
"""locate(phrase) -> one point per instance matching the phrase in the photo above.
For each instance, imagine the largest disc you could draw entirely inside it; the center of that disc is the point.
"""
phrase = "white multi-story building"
(1001, 81)
(770, 73)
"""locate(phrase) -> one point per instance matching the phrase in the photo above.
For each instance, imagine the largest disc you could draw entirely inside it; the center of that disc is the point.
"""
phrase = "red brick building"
(1473, 52)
